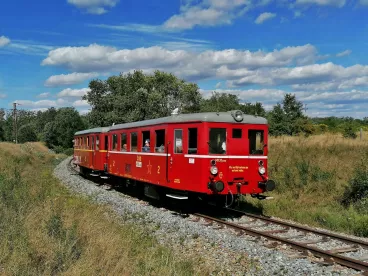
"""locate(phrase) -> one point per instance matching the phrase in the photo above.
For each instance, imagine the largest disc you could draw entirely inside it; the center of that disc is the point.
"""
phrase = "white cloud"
(3, 96)
(94, 6)
(344, 53)
(42, 103)
(207, 13)
(264, 16)
(333, 3)
(69, 79)
(73, 92)
(43, 95)
(218, 85)
(363, 2)
(4, 41)
(101, 58)
(80, 103)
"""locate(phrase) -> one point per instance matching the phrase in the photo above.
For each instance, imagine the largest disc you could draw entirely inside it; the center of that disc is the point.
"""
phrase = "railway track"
(249, 223)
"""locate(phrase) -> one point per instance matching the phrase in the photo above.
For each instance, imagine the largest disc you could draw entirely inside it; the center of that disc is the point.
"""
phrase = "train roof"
(213, 117)
(93, 130)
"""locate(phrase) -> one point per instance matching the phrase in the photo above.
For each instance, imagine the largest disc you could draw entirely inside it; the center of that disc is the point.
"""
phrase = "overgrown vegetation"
(322, 180)
(46, 231)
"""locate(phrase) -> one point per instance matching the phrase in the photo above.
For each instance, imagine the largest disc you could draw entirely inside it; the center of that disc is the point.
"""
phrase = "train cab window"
(160, 140)
(97, 143)
(178, 145)
(106, 142)
(217, 141)
(192, 140)
(123, 142)
(256, 141)
(237, 133)
(146, 147)
(133, 141)
(114, 142)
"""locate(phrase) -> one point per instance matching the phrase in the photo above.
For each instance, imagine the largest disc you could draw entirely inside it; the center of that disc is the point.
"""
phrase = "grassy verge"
(45, 230)
(312, 175)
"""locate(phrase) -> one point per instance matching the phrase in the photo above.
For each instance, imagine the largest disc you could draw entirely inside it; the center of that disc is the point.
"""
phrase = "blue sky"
(258, 50)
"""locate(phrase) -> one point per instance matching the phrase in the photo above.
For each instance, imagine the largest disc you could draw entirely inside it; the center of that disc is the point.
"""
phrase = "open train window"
(114, 142)
(123, 142)
(133, 141)
(192, 140)
(146, 142)
(160, 140)
(106, 142)
(93, 142)
(237, 133)
(97, 142)
(178, 145)
(217, 142)
(256, 141)
(87, 145)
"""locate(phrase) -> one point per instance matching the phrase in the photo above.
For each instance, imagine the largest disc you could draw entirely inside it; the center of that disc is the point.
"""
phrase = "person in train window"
(124, 147)
(223, 146)
(146, 147)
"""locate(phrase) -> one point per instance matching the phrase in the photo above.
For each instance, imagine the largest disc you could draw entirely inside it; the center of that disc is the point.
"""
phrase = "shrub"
(358, 185)
(69, 151)
(349, 132)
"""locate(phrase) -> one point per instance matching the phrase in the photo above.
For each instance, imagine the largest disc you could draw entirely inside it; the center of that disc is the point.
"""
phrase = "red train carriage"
(90, 150)
(203, 154)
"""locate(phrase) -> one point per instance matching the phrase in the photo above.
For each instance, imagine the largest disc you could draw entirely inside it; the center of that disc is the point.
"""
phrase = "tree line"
(137, 96)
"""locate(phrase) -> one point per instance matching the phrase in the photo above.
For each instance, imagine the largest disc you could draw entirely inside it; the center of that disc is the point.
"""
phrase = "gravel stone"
(222, 249)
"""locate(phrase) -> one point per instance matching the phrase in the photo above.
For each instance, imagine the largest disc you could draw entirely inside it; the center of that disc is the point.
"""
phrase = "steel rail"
(327, 256)
(304, 228)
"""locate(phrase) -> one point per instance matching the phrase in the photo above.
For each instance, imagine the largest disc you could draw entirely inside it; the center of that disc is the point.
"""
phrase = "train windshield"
(256, 141)
(217, 141)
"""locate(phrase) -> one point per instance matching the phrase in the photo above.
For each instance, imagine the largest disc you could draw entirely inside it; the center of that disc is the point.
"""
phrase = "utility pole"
(305, 108)
(15, 124)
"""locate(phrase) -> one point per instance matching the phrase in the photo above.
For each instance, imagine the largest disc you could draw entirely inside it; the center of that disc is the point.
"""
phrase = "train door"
(93, 157)
(237, 149)
(177, 163)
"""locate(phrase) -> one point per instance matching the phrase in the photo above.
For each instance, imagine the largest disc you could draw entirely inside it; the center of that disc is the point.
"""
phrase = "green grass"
(44, 230)
(312, 175)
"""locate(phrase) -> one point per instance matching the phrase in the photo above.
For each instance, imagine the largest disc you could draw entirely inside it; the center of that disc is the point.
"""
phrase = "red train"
(208, 155)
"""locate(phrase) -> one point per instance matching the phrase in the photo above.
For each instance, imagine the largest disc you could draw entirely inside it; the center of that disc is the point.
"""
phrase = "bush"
(69, 151)
(349, 132)
(357, 191)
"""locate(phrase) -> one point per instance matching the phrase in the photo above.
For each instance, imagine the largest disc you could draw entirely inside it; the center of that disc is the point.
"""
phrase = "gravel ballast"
(221, 249)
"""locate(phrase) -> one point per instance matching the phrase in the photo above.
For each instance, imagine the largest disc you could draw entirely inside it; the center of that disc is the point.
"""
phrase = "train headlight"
(262, 170)
(214, 170)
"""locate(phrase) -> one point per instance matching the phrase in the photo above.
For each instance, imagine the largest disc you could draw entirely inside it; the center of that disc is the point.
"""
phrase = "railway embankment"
(45, 229)
(228, 253)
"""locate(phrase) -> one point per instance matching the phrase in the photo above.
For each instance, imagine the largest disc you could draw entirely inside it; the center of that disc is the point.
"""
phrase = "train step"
(93, 174)
(176, 196)
(104, 177)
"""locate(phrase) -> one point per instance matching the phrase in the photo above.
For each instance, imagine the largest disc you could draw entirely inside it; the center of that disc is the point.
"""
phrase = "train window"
(106, 142)
(237, 133)
(133, 141)
(217, 142)
(178, 145)
(160, 140)
(87, 144)
(114, 142)
(193, 140)
(123, 142)
(93, 142)
(256, 141)
(146, 147)
(97, 143)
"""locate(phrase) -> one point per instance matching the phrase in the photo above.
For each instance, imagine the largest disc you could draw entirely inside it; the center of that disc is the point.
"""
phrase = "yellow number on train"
(158, 169)
(139, 158)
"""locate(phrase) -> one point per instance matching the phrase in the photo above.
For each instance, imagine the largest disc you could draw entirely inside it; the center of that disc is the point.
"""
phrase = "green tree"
(253, 109)
(220, 102)
(26, 133)
(136, 96)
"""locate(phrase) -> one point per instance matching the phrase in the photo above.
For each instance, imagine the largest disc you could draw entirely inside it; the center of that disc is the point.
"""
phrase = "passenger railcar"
(201, 154)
